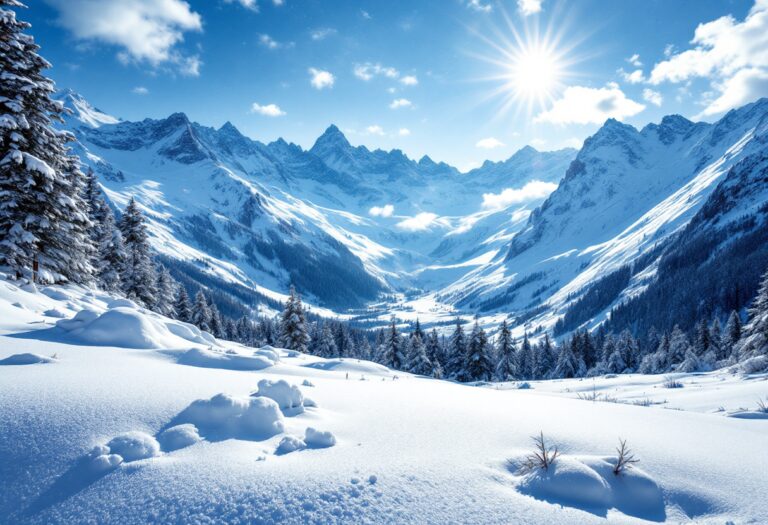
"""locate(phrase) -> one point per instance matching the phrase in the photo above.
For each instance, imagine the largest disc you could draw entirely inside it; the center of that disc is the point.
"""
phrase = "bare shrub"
(762, 406)
(672, 383)
(541, 458)
(625, 459)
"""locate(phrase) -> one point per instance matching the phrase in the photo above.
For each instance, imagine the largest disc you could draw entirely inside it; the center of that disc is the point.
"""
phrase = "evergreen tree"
(111, 258)
(703, 339)
(567, 365)
(139, 273)
(547, 358)
(364, 350)
(456, 350)
(716, 340)
(216, 324)
(201, 313)
(293, 330)
(525, 359)
(43, 216)
(506, 365)
(327, 344)
(478, 364)
(731, 335)
(182, 307)
(417, 360)
(166, 291)
(678, 347)
(433, 350)
(392, 353)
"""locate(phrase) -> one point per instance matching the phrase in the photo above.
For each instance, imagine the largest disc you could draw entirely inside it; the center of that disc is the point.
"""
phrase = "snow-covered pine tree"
(364, 350)
(455, 353)
(327, 345)
(731, 335)
(216, 324)
(616, 363)
(754, 334)
(139, 281)
(478, 363)
(418, 331)
(678, 347)
(293, 328)
(201, 312)
(525, 359)
(433, 350)
(546, 358)
(110, 256)
(392, 353)
(166, 291)
(506, 354)
(43, 216)
(703, 339)
(567, 365)
(417, 361)
(182, 307)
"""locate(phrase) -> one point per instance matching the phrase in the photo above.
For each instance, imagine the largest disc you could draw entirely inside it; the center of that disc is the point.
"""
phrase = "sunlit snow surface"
(179, 432)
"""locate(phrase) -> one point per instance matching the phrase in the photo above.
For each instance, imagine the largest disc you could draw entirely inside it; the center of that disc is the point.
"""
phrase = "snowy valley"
(197, 327)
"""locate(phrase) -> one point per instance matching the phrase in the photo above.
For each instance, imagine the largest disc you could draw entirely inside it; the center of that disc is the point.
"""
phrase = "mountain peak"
(82, 110)
(331, 138)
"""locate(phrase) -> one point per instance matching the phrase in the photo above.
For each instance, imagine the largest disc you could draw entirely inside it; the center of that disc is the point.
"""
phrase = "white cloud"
(733, 55)
(368, 70)
(583, 105)
(322, 33)
(529, 7)
(268, 42)
(365, 14)
(533, 190)
(489, 143)
(140, 90)
(745, 85)
(420, 222)
(400, 103)
(268, 110)
(382, 211)
(321, 79)
(635, 77)
(409, 80)
(145, 30)
(248, 4)
(654, 97)
(478, 5)
(374, 129)
(404, 132)
(635, 60)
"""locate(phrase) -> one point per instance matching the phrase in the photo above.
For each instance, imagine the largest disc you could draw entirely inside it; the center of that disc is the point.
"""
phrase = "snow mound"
(230, 361)
(133, 446)
(290, 444)
(319, 439)
(26, 359)
(287, 396)
(350, 365)
(53, 293)
(179, 436)
(225, 416)
(268, 352)
(120, 303)
(55, 312)
(128, 327)
(105, 462)
(589, 483)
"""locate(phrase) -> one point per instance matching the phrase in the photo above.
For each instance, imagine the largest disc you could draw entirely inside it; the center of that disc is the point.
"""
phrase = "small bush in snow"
(672, 383)
(625, 459)
(755, 365)
(524, 385)
(762, 406)
(541, 458)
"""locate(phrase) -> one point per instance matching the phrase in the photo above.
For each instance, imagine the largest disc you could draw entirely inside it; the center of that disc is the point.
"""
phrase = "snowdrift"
(128, 326)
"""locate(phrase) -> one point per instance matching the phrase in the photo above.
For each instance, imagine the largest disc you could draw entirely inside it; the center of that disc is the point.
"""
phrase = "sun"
(534, 74)
(531, 64)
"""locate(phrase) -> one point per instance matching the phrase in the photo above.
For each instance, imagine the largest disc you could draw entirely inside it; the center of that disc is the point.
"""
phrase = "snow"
(117, 434)
(227, 360)
(133, 446)
(25, 359)
(319, 438)
(179, 436)
(287, 396)
(225, 416)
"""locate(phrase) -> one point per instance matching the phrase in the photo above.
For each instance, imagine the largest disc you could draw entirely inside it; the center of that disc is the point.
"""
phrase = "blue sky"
(459, 80)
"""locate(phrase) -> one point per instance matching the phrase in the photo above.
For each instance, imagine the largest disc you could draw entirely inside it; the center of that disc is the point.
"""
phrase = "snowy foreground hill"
(110, 413)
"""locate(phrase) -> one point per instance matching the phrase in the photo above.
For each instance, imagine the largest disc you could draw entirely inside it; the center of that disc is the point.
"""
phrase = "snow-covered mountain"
(626, 193)
(342, 223)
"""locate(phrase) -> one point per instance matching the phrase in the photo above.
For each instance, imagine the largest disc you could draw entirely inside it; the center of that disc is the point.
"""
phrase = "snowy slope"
(103, 432)
(268, 215)
(624, 195)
